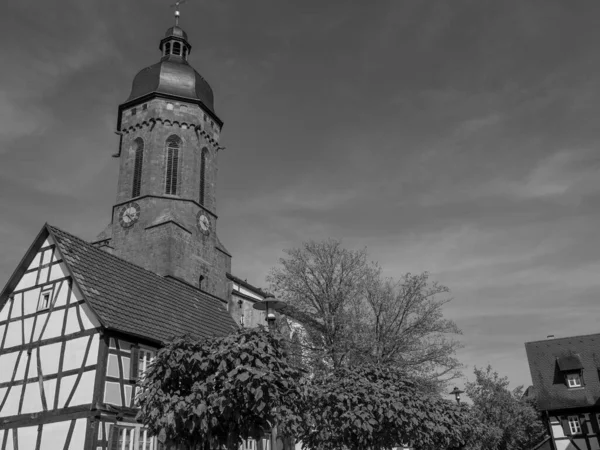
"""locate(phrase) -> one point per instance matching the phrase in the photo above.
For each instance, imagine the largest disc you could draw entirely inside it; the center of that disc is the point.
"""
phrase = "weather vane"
(176, 6)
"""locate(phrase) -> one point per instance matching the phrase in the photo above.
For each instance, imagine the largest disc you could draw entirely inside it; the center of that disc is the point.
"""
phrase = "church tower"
(165, 215)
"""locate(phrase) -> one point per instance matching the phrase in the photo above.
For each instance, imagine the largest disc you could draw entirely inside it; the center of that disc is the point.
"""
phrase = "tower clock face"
(129, 215)
(203, 223)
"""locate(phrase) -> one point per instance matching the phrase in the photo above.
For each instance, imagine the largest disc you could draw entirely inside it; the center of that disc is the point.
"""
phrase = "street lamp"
(456, 391)
(270, 304)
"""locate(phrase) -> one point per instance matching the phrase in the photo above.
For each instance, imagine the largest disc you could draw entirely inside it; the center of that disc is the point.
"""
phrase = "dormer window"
(574, 380)
(571, 367)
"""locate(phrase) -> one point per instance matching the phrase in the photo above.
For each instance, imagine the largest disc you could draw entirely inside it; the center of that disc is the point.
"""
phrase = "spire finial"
(176, 6)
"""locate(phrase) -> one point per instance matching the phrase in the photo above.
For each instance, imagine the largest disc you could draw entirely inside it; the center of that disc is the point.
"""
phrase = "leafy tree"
(509, 421)
(219, 391)
(379, 408)
(324, 285)
(351, 315)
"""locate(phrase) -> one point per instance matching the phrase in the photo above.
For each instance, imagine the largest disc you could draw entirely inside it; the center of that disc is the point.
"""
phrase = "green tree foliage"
(509, 421)
(378, 408)
(352, 315)
(218, 391)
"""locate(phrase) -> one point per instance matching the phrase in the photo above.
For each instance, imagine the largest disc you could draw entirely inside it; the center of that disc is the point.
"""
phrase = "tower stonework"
(165, 215)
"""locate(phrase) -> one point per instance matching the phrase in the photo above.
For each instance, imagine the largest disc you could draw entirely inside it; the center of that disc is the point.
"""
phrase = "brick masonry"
(167, 239)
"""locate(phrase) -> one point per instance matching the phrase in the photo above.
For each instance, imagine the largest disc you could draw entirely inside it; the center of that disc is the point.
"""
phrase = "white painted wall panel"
(93, 354)
(30, 300)
(54, 256)
(28, 327)
(48, 242)
(49, 391)
(55, 323)
(9, 441)
(11, 407)
(594, 443)
(21, 368)
(66, 385)
(27, 281)
(55, 435)
(44, 272)
(87, 323)
(36, 261)
(85, 389)
(2, 327)
(14, 335)
(39, 325)
(50, 356)
(4, 311)
(557, 429)
(74, 353)
(17, 309)
(47, 257)
(72, 322)
(57, 271)
(7, 362)
(78, 438)
(61, 293)
(27, 438)
(32, 401)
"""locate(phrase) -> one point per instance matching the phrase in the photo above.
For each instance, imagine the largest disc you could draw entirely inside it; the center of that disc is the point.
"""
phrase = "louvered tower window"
(172, 165)
(176, 48)
(203, 174)
(137, 167)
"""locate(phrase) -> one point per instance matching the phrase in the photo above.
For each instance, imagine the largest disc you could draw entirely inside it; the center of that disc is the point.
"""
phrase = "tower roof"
(173, 75)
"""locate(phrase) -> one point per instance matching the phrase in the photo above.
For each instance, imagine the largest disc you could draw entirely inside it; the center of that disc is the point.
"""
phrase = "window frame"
(574, 425)
(44, 300)
(138, 165)
(203, 164)
(173, 148)
(576, 378)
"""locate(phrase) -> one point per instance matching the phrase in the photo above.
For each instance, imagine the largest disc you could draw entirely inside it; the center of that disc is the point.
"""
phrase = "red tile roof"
(133, 300)
(550, 387)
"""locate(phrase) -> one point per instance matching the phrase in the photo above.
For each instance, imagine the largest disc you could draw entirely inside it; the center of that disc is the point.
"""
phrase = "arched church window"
(203, 175)
(137, 167)
(172, 165)
(176, 48)
(168, 48)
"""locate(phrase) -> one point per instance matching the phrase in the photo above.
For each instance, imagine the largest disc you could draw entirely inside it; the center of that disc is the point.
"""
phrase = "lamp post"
(456, 392)
(270, 304)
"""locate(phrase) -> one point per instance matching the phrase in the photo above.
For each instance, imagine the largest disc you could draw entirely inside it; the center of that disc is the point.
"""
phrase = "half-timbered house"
(78, 326)
(80, 321)
(566, 386)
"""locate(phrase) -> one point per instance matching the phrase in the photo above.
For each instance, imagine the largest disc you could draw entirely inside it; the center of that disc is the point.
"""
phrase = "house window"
(44, 301)
(172, 165)
(573, 380)
(574, 425)
(137, 167)
(145, 106)
(133, 111)
(144, 360)
(203, 174)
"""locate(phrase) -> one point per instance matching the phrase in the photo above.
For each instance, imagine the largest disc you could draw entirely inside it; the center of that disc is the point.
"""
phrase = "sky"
(459, 138)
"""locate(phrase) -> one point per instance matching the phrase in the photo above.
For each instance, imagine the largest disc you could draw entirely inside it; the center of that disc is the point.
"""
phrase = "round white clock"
(203, 223)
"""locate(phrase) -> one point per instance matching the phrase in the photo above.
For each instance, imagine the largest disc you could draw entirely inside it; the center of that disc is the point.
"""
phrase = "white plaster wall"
(54, 435)
(557, 429)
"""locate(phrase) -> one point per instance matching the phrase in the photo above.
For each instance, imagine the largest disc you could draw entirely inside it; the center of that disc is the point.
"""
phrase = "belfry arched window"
(172, 165)
(203, 157)
(137, 167)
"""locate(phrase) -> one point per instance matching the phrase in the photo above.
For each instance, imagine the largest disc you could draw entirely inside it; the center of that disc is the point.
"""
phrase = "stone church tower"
(165, 215)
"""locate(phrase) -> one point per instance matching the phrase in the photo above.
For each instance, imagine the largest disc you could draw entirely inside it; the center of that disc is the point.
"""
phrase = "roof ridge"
(129, 263)
(563, 338)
